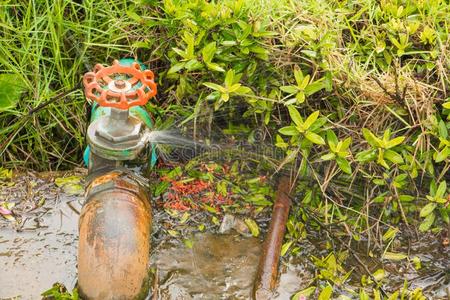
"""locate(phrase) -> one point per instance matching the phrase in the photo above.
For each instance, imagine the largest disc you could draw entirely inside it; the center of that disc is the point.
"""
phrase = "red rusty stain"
(267, 273)
(114, 246)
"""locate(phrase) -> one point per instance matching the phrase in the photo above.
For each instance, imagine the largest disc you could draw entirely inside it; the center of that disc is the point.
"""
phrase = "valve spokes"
(130, 86)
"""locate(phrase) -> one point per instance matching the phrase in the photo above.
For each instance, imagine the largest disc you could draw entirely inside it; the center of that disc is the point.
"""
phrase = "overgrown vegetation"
(355, 94)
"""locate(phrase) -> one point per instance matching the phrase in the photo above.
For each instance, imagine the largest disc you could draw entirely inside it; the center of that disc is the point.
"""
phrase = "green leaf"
(328, 156)
(298, 75)
(389, 234)
(161, 188)
(177, 67)
(208, 52)
(234, 87)
(173, 233)
(311, 119)
(371, 138)
(184, 218)
(346, 143)
(295, 115)
(180, 52)
(300, 96)
(441, 190)
(306, 292)
(427, 222)
(244, 90)
(331, 137)
(71, 185)
(229, 43)
(290, 101)
(443, 132)
(380, 158)
(229, 78)
(5, 173)
(406, 198)
(394, 256)
(442, 155)
(427, 209)
(393, 156)
(379, 274)
(291, 89)
(326, 293)
(394, 296)
(215, 86)
(363, 295)
(288, 130)
(304, 83)
(214, 67)
(280, 143)
(259, 50)
(192, 65)
(11, 88)
(314, 87)
(314, 137)
(344, 165)
(225, 97)
(367, 155)
(254, 228)
(264, 33)
(394, 142)
(61, 181)
(188, 243)
(318, 124)
(285, 248)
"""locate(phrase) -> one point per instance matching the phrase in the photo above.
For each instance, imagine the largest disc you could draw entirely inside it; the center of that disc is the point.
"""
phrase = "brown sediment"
(266, 276)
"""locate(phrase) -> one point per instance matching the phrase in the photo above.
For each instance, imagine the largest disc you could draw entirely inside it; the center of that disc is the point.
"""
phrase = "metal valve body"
(117, 136)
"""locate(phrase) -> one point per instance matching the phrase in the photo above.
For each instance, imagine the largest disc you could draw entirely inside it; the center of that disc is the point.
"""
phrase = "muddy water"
(41, 253)
(40, 250)
(217, 267)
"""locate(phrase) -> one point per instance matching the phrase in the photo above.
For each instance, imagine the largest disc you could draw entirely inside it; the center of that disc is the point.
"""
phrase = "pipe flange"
(116, 179)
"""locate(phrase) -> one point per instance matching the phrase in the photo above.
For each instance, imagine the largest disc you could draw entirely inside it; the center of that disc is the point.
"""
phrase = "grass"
(354, 93)
(47, 46)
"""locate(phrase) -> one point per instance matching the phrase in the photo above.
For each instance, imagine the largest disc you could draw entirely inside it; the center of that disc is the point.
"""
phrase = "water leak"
(168, 137)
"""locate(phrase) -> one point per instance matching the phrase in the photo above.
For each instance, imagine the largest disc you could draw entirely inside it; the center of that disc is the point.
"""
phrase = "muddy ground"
(38, 243)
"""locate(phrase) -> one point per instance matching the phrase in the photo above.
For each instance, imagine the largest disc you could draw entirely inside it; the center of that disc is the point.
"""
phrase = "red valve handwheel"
(119, 93)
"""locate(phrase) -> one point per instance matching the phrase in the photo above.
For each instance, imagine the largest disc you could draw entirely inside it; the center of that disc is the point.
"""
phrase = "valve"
(117, 135)
(119, 86)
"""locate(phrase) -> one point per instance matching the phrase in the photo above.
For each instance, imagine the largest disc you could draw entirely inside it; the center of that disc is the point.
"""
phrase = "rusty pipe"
(114, 240)
(267, 272)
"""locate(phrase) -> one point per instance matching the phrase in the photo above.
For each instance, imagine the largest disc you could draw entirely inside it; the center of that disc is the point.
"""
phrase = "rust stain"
(114, 244)
(267, 273)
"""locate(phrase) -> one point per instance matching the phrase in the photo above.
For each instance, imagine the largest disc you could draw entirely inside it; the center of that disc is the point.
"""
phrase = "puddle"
(216, 267)
(39, 249)
(33, 259)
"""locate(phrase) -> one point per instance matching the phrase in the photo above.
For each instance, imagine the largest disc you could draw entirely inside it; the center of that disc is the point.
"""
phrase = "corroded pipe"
(114, 245)
(267, 273)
